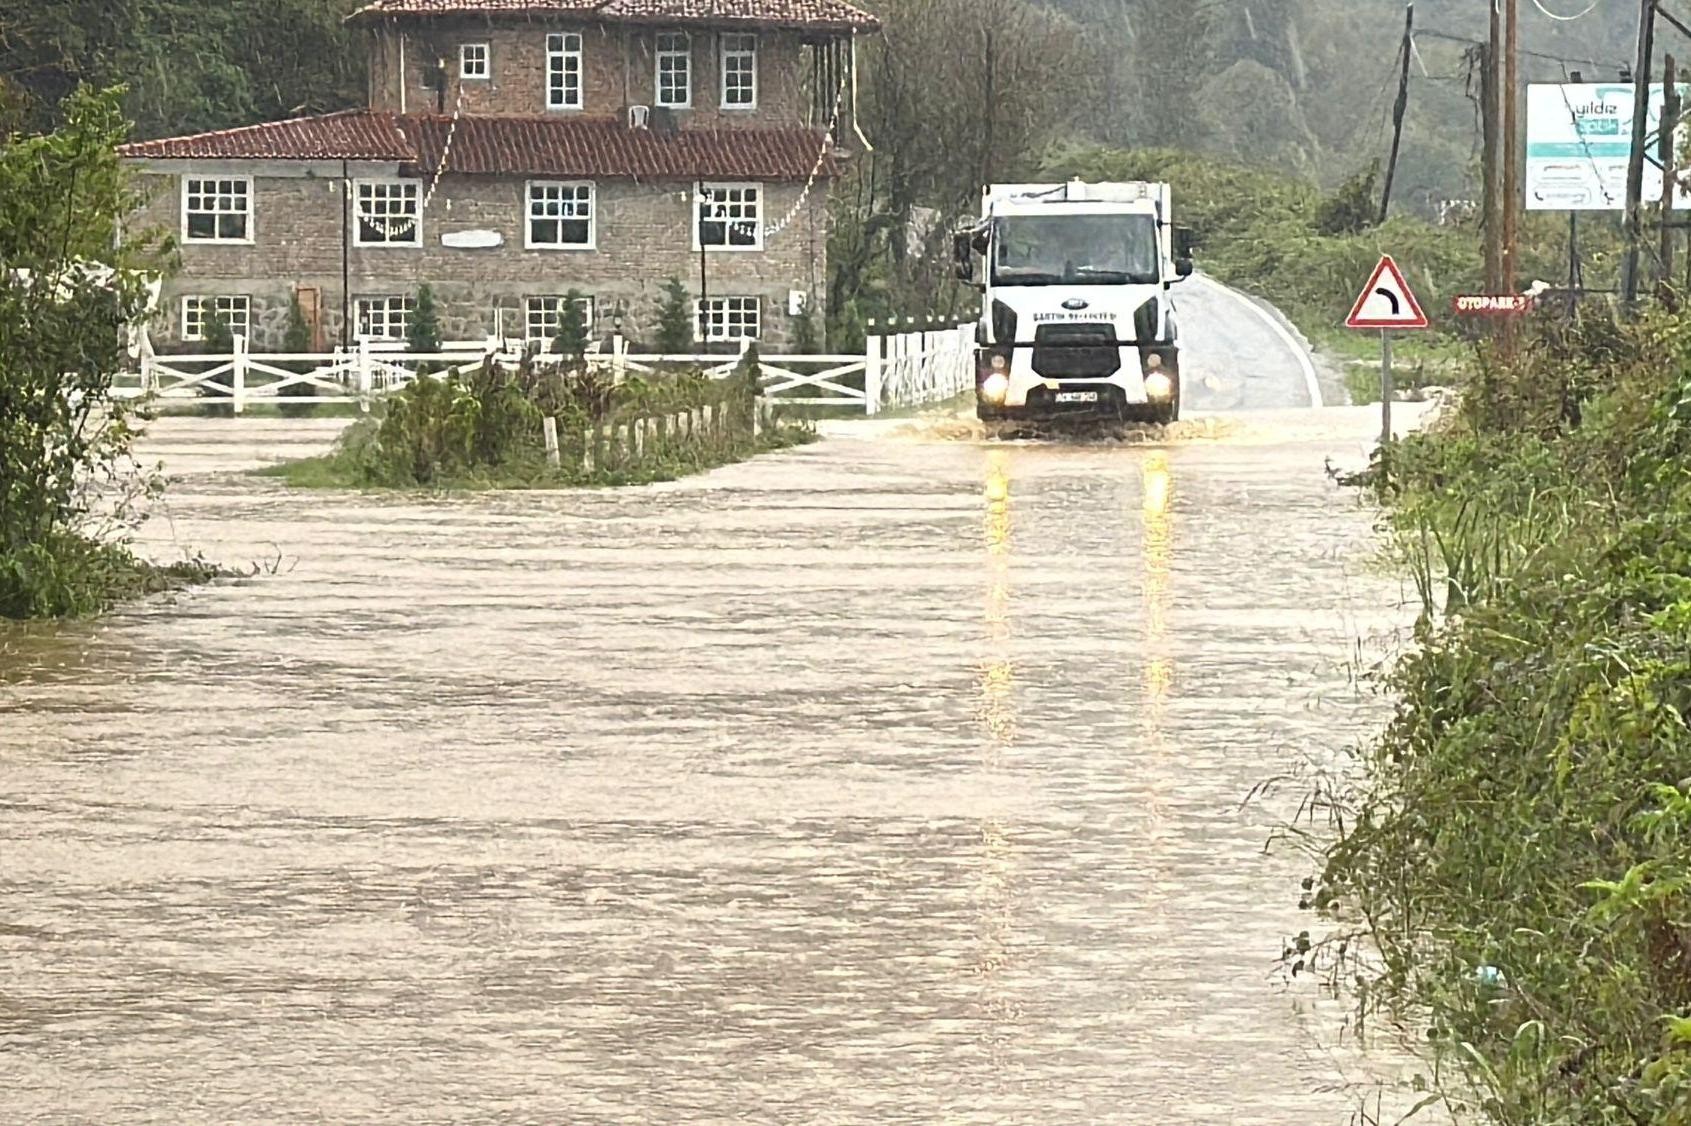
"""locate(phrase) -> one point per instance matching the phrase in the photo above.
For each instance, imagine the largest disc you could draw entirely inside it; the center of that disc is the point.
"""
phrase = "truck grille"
(1076, 351)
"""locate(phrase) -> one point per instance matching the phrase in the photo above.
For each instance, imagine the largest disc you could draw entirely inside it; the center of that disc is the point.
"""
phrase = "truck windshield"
(1075, 250)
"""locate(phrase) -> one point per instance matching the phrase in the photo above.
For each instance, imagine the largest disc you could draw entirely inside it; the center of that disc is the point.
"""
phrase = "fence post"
(872, 372)
(549, 426)
(362, 373)
(149, 376)
(238, 373)
(619, 360)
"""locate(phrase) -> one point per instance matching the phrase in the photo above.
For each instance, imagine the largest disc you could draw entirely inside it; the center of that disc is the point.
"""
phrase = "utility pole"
(1491, 207)
(1635, 164)
(1667, 153)
(1511, 155)
(1399, 110)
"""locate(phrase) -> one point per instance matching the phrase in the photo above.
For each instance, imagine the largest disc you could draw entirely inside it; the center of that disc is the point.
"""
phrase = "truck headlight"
(1158, 385)
(995, 387)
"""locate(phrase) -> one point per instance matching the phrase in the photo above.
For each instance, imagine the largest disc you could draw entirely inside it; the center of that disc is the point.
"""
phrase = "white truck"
(1077, 318)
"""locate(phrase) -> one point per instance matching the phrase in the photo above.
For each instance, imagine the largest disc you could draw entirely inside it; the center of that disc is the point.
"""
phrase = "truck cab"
(1077, 314)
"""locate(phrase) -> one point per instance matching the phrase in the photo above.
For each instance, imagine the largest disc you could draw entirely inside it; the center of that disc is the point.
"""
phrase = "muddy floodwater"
(895, 779)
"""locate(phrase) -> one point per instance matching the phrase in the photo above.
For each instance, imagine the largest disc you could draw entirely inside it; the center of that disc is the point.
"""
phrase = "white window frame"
(738, 45)
(563, 48)
(406, 308)
(700, 203)
(238, 307)
(529, 215)
(719, 309)
(665, 50)
(485, 71)
(535, 302)
(217, 195)
(358, 186)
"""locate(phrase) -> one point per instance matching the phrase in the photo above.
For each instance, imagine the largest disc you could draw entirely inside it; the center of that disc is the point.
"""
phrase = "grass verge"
(1519, 847)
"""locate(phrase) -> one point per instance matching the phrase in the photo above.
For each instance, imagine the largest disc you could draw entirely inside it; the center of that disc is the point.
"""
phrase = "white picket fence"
(896, 370)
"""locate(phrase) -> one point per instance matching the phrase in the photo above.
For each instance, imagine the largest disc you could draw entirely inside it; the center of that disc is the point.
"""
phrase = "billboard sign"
(1578, 140)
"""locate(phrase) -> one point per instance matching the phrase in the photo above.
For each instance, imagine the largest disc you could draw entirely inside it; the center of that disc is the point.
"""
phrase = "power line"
(1472, 42)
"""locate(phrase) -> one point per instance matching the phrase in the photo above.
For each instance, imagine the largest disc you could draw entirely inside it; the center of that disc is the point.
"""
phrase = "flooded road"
(889, 780)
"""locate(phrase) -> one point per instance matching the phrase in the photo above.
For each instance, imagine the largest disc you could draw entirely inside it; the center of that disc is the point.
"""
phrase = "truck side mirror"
(1183, 267)
(1183, 242)
(963, 256)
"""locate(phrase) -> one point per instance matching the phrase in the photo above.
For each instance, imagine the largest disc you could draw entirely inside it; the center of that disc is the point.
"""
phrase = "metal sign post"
(1386, 303)
(1387, 391)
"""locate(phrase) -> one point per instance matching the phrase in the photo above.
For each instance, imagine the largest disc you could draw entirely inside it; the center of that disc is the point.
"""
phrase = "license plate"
(1077, 396)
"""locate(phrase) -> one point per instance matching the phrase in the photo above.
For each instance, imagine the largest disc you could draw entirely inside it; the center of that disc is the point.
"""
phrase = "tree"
(571, 341)
(424, 334)
(296, 338)
(675, 319)
(66, 296)
(195, 66)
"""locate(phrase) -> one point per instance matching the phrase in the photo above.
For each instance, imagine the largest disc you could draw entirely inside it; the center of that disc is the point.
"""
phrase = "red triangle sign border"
(1417, 317)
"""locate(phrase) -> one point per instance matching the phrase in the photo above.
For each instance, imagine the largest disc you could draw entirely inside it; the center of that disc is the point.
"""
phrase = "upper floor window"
(217, 210)
(385, 318)
(475, 63)
(198, 313)
(563, 71)
(730, 217)
(675, 70)
(390, 213)
(560, 216)
(739, 71)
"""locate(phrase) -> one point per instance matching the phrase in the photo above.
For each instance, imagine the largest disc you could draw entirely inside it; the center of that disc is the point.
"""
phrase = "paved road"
(1238, 355)
(881, 781)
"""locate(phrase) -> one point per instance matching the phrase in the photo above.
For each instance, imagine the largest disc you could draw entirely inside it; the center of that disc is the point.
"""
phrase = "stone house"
(514, 151)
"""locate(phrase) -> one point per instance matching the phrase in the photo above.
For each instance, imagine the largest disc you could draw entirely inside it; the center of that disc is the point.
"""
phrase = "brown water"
(879, 781)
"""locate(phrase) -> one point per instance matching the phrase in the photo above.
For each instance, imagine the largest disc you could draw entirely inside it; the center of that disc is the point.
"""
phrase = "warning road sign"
(1386, 301)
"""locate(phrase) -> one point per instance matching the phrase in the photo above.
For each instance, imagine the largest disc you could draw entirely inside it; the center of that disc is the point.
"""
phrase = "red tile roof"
(348, 135)
(825, 15)
(594, 147)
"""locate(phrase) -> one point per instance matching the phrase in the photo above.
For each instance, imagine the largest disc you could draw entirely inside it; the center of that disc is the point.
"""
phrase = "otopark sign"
(1579, 139)
(1491, 304)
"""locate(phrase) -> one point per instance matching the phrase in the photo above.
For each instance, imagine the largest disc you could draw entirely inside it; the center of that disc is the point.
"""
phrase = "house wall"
(644, 237)
(618, 65)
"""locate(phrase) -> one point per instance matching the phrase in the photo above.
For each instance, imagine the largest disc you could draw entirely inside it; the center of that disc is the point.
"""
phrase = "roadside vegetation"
(487, 431)
(68, 496)
(1519, 849)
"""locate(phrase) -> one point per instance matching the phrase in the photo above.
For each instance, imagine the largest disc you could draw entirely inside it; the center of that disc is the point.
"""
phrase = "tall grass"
(1518, 850)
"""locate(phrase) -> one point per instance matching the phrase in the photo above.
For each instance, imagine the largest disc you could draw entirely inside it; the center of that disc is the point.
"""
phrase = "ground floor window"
(197, 312)
(385, 318)
(728, 318)
(545, 317)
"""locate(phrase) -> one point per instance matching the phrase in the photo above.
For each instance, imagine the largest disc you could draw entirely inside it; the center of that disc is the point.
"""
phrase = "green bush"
(64, 439)
(1518, 851)
(424, 333)
(675, 320)
(297, 339)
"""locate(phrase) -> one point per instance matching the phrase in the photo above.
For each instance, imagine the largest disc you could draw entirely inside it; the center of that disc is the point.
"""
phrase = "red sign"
(1491, 304)
(1386, 301)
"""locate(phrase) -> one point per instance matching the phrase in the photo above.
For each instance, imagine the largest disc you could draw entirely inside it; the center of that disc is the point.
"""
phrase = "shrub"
(297, 339)
(1518, 850)
(675, 320)
(65, 296)
(571, 341)
(424, 334)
